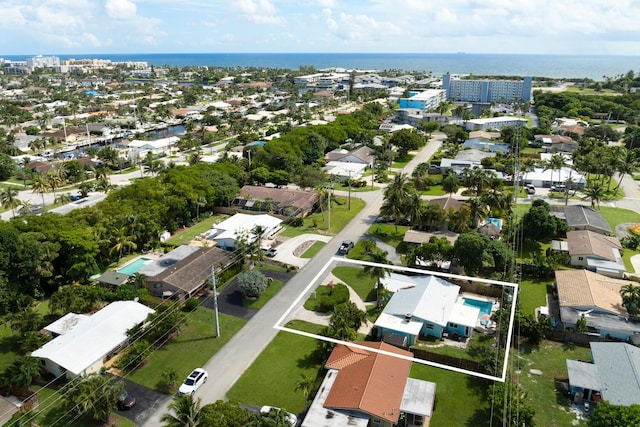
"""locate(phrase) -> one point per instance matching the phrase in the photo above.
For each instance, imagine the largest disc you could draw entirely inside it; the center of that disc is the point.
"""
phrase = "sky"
(48, 27)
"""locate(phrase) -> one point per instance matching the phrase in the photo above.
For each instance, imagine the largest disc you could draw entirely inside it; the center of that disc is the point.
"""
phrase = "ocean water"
(555, 66)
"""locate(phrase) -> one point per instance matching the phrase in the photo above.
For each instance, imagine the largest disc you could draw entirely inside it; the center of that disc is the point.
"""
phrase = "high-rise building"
(43, 62)
(468, 90)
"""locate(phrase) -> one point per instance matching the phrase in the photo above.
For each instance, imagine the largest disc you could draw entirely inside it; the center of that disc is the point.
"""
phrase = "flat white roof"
(239, 223)
(93, 337)
(65, 323)
(464, 315)
(396, 323)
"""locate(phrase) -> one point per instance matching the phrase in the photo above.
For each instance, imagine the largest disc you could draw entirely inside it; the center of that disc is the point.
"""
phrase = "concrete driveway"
(286, 250)
(148, 402)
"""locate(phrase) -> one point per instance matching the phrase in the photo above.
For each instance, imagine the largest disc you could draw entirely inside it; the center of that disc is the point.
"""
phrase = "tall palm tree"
(627, 166)
(478, 210)
(9, 199)
(187, 412)
(378, 272)
(451, 184)
(121, 240)
(306, 385)
(53, 181)
(555, 163)
(40, 186)
(594, 191)
(396, 196)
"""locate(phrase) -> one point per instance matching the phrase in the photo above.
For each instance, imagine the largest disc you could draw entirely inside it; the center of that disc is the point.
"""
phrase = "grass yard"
(401, 163)
(533, 293)
(434, 190)
(188, 234)
(8, 346)
(273, 288)
(193, 347)
(459, 397)
(388, 234)
(626, 258)
(313, 249)
(358, 280)
(550, 404)
(291, 231)
(615, 216)
(272, 378)
(340, 215)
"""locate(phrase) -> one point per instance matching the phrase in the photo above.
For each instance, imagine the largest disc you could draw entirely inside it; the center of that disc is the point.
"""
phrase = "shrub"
(296, 222)
(191, 304)
(328, 298)
(252, 283)
(134, 356)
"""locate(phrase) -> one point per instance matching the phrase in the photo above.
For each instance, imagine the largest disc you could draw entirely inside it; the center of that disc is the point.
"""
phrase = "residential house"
(141, 147)
(448, 203)
(242, 226)
(580, 217)
(545, 178)
(596, 252)
(282, 201)
(82, 343)
(465, 159)
(424, 306)
(184, 271)
(361, 155)
(345, 171)
(484, 144)
(370, 386)
(597, 297)
(613, 375)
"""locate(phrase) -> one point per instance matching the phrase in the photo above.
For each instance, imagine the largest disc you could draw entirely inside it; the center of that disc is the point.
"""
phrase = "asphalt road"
(228, 364)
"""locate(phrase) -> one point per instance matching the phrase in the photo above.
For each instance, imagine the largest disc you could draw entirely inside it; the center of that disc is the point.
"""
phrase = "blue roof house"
(424, 306)
(613, 375)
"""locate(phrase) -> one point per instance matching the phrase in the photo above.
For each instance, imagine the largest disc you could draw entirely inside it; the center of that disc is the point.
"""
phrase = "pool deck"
(148, 255)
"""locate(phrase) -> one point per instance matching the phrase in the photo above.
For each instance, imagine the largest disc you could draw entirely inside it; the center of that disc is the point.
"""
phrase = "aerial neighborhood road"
(226, 366)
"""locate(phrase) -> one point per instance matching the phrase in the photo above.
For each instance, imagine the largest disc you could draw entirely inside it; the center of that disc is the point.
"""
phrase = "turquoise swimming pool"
(133, 267)
(484, 306)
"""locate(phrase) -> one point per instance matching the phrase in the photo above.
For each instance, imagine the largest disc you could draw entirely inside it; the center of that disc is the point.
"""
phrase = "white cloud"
(120, 9)
(258, 11)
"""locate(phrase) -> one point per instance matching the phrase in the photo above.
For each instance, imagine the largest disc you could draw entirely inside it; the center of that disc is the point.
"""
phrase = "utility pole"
(215, 300)
(329, 188)
(349, 203)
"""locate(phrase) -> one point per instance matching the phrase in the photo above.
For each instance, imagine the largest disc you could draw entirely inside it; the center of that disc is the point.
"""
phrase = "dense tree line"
(38, 254)
(570, 104)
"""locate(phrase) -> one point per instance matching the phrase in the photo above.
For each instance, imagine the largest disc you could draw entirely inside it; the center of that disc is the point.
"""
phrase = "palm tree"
(122, 240)
(9, 199)
(306, 385)
(627, 166)
(594, 192)
(23, 371)
(40, 186)
(451, 184)
(54, 181)
(396, 196)
(555, 163)
(631, 298)
(478, 210)
(378, 272)
(187, 412)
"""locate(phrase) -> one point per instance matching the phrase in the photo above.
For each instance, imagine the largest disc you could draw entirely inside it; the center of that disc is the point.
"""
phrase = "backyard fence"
(467, 364)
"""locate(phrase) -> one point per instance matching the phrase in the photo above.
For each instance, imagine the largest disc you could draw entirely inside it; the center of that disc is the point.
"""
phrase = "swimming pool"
(133, 267)
(484, 306)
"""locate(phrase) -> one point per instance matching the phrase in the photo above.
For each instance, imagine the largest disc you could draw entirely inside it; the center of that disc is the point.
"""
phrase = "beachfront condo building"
(468, 90)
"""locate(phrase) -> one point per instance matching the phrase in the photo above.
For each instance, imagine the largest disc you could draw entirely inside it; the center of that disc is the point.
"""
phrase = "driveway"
(286, 249)
(148, 402)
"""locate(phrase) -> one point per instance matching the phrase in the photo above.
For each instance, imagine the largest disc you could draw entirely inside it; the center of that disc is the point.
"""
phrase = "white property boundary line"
(279, 324)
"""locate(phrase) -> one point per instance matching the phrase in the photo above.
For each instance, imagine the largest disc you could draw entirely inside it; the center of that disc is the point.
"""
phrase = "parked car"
(345, 247)
(125, 400)
(270, 252)
(530, 189)
(293, 420)
(382, 219)
(194, 381)
(560, 188)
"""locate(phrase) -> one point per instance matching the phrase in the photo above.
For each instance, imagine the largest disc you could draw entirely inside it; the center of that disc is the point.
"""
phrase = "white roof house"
(227, 232)
(424, 305)
(344, 170)
(86, 341)
(540, 177)
(141, 147)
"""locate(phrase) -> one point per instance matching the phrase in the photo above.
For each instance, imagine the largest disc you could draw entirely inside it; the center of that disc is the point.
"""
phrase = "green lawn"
(273, 288)
(313, 249)
(401, 163)
(434, 190)
(615, 216)
(186, 235)
(344, 187)
(626, 257)
(8, 349)
(340, 215)
(291, 231)
(271, 379)
(551, 406)
(533, 293)
(358, 280)
(193, 347)
(389, 233)
(459, 397)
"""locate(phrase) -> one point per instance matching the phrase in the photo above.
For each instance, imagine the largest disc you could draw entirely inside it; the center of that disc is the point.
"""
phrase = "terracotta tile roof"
(369, 381)
(585, 242)
(585, 289)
